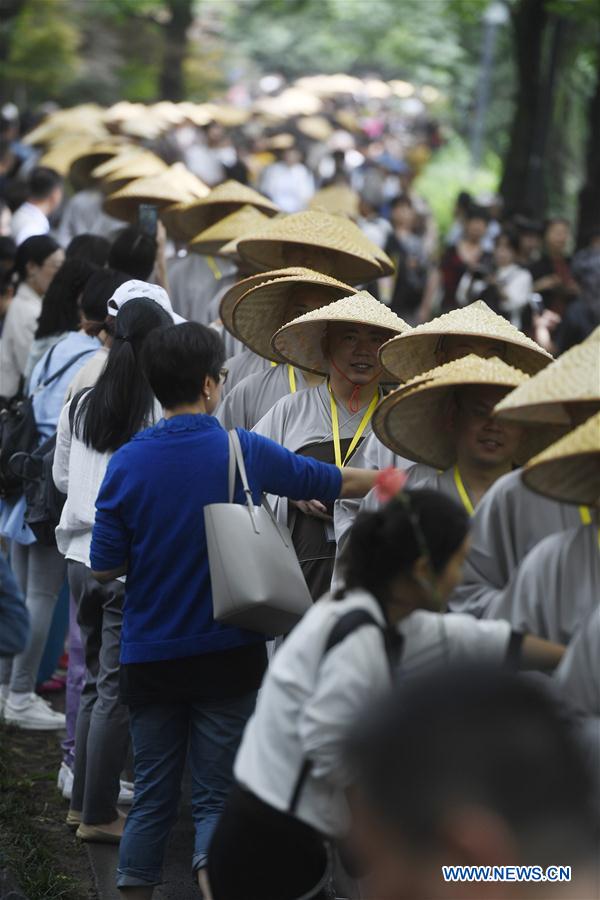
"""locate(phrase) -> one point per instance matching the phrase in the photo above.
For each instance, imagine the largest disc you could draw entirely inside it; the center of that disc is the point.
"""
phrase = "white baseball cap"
(134, 289)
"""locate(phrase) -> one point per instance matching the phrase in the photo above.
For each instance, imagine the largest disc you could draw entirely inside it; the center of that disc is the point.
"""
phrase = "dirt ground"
(37, 850)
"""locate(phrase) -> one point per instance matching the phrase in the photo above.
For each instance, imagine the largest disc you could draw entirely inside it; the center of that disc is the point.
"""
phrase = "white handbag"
(257, 582)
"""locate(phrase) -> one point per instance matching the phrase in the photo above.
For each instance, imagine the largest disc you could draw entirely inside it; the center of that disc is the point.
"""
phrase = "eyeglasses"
(223, 375)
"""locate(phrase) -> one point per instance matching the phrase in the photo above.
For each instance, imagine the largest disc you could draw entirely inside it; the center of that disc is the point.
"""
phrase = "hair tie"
(123, 337)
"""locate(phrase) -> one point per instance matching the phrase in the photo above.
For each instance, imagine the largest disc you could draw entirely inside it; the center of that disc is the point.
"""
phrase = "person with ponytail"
(107, 416)
(37, 261)
(289, 806)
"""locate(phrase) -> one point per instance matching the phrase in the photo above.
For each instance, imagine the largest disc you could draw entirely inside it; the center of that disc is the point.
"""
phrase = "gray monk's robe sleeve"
(557, 586)
(255, 395)
(509, 521)
(578, 675)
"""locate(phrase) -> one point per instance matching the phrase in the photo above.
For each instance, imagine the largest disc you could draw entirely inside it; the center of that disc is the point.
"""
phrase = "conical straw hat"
(173, 185)
(233, 227)
(340, 248)
(119, 170)
(410, 421)
(220, 202)
(61, 154)
(416, 352)
(337, 199)
(300, 342)
(569, 470)
(231, 297)
(317, 128)
(90, 157)
(574, 378)
(262, 309)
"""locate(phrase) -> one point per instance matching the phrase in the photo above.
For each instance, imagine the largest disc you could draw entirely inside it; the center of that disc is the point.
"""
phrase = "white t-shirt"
(28, 221)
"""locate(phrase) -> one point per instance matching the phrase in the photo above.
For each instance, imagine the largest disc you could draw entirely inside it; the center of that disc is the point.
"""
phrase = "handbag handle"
(236, 462)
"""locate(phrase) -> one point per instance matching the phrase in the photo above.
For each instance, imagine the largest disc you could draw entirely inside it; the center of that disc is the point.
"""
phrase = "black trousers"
(259, 853)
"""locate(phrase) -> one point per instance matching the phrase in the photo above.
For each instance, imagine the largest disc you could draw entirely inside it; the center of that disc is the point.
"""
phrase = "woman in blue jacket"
(186, 677)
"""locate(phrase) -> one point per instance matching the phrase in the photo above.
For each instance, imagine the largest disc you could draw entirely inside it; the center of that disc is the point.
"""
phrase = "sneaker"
(62, 774)
(67, 790)
(33, 715)
(73, 819)
(125, 794)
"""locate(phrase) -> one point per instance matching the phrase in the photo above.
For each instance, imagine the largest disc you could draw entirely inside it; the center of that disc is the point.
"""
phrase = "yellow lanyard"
(291, 376)
(585, 515)
(292, 379)
(214, 268)
(335, 427)
(462, 492)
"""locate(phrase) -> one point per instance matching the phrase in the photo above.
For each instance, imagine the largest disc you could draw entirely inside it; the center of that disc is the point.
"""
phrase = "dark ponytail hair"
(60, 309)
(388, 542)
(35, 249)
(121, 402)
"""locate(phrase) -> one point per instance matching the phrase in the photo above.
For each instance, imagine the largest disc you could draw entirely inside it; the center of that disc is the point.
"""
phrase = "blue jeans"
(160, 736)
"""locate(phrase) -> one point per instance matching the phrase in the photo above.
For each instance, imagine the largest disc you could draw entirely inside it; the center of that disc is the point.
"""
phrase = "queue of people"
(433, 470)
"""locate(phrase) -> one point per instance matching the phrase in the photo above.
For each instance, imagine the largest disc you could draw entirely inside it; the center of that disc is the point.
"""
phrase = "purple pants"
(75, 682)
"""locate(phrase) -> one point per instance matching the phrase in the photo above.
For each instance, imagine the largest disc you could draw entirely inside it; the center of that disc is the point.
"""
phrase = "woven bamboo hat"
(317, 128)
(300, 342)
(60, 154)
(260, 311)
(574, 378)
(236, 291)
(219, 202)
(415, 352)
(131, 163)
(569, 470)
(90, 157)
(339, 244)
(172, 185)
(337, 199)
(411, 419)
(232, 228)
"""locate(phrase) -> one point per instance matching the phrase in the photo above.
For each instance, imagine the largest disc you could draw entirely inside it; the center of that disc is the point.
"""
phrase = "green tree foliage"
(42, 54)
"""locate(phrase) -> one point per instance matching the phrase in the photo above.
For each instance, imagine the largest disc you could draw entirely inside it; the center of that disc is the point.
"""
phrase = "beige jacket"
(17, 336)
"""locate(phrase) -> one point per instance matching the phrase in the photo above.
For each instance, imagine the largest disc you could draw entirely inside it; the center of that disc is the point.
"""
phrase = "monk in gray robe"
(328, 422)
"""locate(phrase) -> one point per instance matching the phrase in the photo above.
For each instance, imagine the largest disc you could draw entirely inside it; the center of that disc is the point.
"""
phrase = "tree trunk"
(528, 24)
(589, 196)
(172, 81)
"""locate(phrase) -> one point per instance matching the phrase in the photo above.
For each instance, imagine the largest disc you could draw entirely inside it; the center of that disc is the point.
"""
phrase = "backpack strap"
(343, 628)
(63, 369)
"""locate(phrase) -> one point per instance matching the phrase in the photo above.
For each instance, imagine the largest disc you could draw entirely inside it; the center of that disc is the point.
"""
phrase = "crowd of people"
(418, 414)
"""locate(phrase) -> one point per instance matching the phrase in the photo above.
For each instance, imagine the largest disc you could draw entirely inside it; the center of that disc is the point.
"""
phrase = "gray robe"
(83, 214)
(578, 675)
(556, 588)
(509, 521)
(305, 418)
(192, 285)
(253, 397)
(240, 365)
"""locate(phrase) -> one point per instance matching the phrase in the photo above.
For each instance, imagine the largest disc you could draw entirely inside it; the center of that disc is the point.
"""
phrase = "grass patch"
(35, 845)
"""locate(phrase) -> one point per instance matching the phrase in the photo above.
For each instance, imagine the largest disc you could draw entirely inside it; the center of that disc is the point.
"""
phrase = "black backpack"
(18, 428)
(43, 501)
